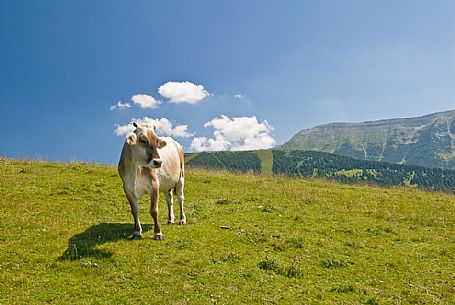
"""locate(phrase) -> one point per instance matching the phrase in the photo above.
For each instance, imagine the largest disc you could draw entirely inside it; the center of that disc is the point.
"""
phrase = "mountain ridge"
(427, 140)
(435, 114)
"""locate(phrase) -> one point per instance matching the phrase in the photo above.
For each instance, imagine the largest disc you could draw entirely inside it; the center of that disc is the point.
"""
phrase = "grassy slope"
(266, 161)
(290, 241)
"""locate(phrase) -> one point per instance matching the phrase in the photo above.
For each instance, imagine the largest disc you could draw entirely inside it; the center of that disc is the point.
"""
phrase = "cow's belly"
(167, 183)
(143, 185)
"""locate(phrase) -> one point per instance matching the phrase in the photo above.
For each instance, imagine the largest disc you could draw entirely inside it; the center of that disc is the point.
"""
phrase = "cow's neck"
(130, 165)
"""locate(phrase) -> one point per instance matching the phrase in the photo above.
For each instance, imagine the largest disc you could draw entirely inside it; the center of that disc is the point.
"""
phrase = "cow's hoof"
(158, 236)
(182, 222)
(136, 235)
(170, 222)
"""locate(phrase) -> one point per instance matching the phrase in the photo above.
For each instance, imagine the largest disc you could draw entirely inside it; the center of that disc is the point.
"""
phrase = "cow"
(149, 164)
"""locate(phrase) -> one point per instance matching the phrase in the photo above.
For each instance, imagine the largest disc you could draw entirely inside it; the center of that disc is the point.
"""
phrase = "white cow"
(149, 164)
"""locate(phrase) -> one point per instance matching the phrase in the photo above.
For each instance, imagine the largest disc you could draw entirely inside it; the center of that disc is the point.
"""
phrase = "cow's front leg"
(154, 212)
(135, 211)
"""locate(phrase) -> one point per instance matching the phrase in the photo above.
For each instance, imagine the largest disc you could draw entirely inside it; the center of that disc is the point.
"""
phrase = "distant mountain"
(426, 141)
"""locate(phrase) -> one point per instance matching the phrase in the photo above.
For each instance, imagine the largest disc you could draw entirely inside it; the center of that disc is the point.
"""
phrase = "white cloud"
(164, 127)
(204, 144)
(244, 133)
(123, 129)
(183, 92)
(241, 97)
(145, 101)
(120, 106)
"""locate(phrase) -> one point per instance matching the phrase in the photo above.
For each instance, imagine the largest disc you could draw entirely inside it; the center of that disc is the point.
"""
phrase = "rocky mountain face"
(426, 141)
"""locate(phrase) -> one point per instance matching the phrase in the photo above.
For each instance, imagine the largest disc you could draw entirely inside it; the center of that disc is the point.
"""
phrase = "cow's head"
(144, 144)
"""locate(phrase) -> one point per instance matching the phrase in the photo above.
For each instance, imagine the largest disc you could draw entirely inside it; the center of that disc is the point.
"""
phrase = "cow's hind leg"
(180, 198)
(154, 213)
(170, 208)
(135, 211)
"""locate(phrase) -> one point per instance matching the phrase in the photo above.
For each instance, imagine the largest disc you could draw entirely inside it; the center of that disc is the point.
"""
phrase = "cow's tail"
(182, 174)
(182, 167)
(182, 170)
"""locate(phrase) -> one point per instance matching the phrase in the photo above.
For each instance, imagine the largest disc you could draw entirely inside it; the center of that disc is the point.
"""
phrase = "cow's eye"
(142, 141)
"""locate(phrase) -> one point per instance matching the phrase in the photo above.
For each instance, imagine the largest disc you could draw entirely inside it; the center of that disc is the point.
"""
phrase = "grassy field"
(64, 239)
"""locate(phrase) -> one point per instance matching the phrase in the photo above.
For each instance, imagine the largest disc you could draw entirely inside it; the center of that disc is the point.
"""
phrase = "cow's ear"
(161, 143)
(131, 138)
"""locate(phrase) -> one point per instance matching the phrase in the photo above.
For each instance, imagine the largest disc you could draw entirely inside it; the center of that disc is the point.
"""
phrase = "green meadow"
(250, 239)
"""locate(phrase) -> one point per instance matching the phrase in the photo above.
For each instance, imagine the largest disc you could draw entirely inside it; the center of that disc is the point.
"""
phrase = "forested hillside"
(346, 169)
(232, 161)
(298, 163)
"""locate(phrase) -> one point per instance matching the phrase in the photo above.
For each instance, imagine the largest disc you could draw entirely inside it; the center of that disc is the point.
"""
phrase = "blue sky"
(268, 69)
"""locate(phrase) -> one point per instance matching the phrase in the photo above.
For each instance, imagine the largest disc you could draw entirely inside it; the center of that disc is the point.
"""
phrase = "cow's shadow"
(84, 245)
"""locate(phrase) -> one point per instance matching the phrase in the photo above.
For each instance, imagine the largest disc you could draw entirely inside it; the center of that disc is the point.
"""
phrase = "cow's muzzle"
(155, 163)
